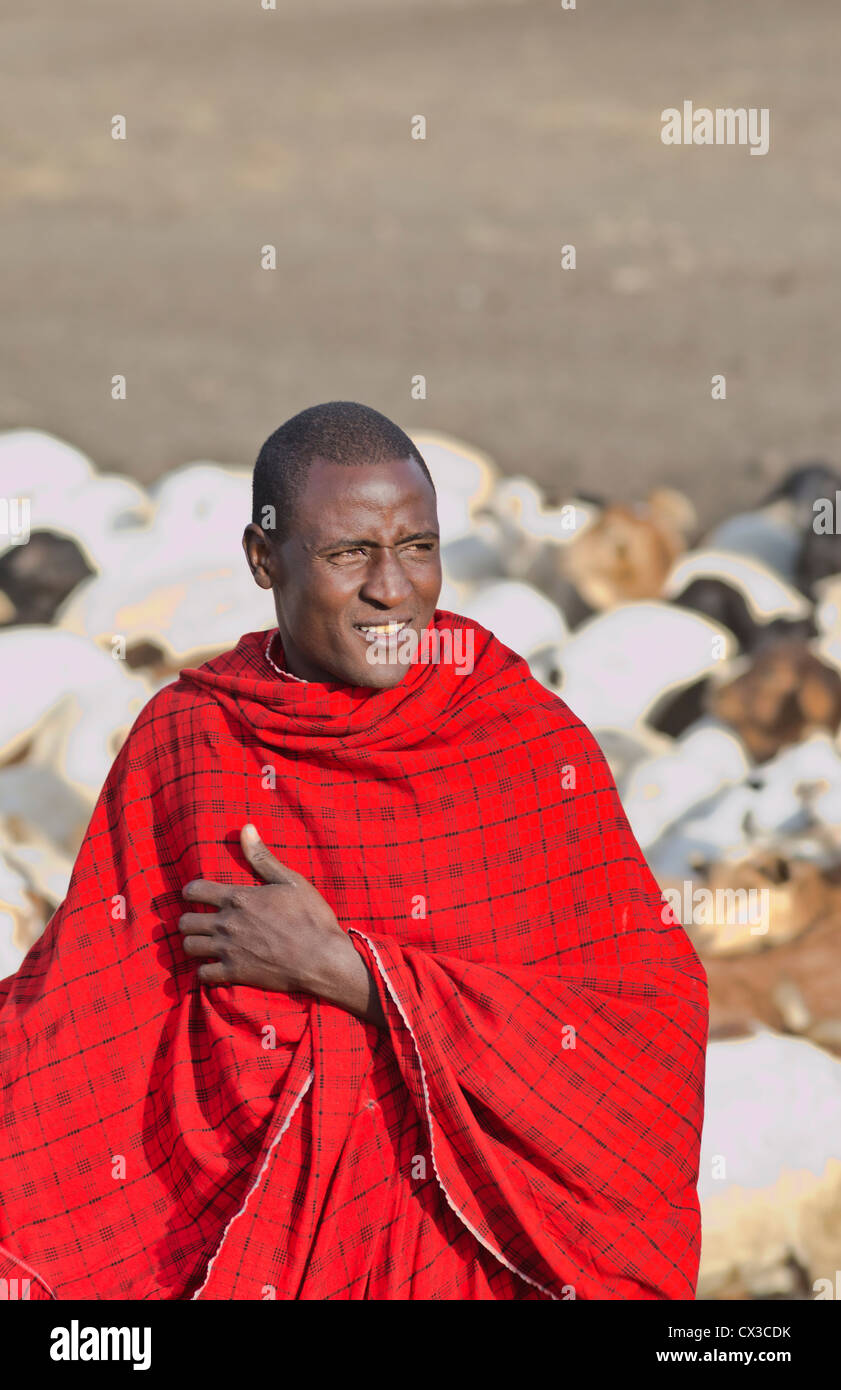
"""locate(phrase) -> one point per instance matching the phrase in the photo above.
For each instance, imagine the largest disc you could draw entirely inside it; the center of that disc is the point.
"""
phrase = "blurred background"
(662, 558)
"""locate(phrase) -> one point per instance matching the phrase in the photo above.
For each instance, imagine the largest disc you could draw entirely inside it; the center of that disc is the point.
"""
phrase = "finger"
(200, 946)
(261, 859)
(203, 891)
(215, 974)
(198, 923)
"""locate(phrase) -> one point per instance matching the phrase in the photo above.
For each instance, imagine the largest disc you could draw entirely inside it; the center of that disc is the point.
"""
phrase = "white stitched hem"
(256, 1182)
(450, 1202)
(29, 1270)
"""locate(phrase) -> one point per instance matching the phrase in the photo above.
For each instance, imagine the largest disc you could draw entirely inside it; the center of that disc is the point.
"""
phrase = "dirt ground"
(398, 257)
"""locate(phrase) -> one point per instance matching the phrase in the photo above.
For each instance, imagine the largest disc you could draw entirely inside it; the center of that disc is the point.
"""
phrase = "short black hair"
(338, 431)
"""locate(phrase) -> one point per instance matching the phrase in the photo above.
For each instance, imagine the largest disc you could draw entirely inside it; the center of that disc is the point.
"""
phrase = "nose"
(387, 582)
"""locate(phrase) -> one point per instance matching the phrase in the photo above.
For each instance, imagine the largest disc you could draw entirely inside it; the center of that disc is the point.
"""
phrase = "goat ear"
(700, 863)
(673, 509)
(775, 868)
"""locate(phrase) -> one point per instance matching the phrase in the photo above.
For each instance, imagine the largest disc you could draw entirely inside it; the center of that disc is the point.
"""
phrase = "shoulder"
(170, 716)
(534, 725)
(542, 711)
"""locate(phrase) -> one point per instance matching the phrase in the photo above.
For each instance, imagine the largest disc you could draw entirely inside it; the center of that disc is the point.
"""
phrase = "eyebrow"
(347, 541)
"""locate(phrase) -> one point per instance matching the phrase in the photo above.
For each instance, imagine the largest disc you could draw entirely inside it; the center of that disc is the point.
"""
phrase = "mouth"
(387, 629)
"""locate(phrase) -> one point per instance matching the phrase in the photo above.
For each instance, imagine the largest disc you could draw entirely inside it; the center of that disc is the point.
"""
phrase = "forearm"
(344, 979)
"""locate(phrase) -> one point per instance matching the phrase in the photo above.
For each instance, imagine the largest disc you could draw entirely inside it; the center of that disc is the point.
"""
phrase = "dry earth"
(440, 257)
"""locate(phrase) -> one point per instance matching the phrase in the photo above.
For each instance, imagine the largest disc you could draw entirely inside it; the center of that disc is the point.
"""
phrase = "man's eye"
(358, 550)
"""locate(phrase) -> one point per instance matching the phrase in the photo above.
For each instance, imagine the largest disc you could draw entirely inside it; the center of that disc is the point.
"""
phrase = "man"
(429, 1034)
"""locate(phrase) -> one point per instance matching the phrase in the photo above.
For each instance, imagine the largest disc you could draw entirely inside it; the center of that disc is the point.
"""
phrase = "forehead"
(363, 494)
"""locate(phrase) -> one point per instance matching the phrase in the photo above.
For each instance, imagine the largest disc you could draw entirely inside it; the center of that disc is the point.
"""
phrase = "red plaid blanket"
(528, 1126)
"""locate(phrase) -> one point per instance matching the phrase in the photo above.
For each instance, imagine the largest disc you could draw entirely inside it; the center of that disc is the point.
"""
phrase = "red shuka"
(528, 1125)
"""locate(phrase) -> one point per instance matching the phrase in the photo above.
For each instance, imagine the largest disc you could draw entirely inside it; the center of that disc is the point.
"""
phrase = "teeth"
(387, 629)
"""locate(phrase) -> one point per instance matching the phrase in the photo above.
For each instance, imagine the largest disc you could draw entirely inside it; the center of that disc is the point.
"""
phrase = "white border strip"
(256, 1182)
(29, 1270)
(450, 1203)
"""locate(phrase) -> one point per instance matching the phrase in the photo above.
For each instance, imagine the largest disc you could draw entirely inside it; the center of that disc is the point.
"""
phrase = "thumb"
(261, 858)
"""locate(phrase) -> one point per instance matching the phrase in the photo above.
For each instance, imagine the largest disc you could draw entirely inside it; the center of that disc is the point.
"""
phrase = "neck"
(289, 675)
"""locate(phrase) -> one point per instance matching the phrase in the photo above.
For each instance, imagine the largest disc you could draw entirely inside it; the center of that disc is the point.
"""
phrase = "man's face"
(363, 549)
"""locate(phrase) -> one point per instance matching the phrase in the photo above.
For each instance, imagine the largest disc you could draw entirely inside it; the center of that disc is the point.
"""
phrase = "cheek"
(429, 584)
(315, 613)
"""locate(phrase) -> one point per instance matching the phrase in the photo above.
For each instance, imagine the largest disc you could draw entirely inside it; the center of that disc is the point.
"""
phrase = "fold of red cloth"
(529, 1123)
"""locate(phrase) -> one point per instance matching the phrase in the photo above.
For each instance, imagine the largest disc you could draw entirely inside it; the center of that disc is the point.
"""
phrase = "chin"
(382, 677)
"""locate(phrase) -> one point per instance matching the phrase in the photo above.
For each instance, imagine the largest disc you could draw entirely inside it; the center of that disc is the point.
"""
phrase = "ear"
(699, 862)
(256, 548)
(672, 509)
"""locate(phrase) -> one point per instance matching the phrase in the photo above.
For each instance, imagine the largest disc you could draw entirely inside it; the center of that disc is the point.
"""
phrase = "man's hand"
(279, 935)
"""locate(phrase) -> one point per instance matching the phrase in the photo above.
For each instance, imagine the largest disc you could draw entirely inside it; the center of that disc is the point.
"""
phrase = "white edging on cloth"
(450, 1202)
(29, 1270)
(288, 674)
(256, 1182)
